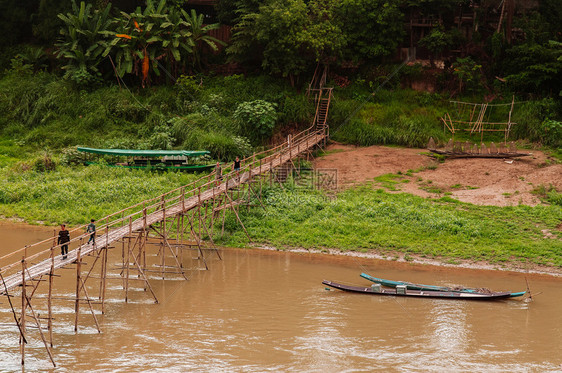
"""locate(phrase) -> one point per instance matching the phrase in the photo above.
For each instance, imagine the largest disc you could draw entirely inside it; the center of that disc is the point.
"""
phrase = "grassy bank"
(225, 115)
(363, 218)
(76, 194)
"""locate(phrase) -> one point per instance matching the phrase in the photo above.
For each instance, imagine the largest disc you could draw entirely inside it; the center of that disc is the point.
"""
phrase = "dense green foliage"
(364, 218)
(83, 42)
(224, 115)
(135, 40)
(372, 28)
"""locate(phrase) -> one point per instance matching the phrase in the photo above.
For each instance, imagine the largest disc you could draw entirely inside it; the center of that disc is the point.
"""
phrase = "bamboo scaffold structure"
(179, 220)
(478, 118)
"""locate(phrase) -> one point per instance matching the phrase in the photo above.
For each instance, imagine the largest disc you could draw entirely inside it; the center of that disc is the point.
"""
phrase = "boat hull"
(410, 286)
(418, 293)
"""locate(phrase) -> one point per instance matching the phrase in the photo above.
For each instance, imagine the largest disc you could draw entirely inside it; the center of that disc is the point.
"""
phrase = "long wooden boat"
(175, 160)
(411, 286)
(418, 293)
(158, 166)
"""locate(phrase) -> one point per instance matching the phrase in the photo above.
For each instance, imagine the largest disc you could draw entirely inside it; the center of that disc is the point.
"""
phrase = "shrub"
(72, 157)
(257, 117)
(551, 132)
(530, 116)
(44, 163)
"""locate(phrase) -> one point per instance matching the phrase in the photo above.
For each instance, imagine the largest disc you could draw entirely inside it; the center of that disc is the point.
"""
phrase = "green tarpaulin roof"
(145, 153)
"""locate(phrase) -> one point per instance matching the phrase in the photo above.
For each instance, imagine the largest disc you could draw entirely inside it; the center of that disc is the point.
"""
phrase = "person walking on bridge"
(91, 228)
(218, 173)
(237, 168)
(237, 164)
(63, 239)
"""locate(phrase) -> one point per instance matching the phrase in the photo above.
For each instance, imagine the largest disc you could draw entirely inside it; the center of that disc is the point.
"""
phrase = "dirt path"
(495, 182)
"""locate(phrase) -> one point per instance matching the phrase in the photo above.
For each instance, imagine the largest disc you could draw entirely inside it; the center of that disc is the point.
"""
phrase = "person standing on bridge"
(218, 173)
(64, 238)
(237, 168)
(237, 164)
(91, 228)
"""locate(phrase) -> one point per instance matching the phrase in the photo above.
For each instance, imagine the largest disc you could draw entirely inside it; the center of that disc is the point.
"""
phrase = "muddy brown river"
(267, 311)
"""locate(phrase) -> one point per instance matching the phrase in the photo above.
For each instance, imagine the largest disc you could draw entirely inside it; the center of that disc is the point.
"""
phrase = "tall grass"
(401, 117)
(363, 218)
(76, 194)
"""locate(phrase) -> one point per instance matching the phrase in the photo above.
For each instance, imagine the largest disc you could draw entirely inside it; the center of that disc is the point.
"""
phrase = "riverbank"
(16, 234)
(374, 217)
(367, 218)
(418, 260)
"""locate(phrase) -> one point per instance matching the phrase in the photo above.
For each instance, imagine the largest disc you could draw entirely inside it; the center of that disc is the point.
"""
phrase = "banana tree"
(83, 41)
(145, 37)
(178, 42)
(199, 35)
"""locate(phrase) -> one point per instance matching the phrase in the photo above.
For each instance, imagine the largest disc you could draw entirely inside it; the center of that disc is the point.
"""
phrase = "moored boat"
(411, 286)
(403, 292)
(175, 160)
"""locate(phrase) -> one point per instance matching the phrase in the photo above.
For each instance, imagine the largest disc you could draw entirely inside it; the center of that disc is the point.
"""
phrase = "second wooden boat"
(402, 292)
(411, 286)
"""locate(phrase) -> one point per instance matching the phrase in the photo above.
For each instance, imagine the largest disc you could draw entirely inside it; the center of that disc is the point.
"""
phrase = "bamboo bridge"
(179, 220)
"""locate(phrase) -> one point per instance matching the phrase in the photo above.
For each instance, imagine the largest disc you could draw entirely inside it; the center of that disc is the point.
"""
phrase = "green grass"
(363, 218)
(548, 194)
(401, 117)
(389, 181)
(76, 194)
(46, 112)
(41, 115)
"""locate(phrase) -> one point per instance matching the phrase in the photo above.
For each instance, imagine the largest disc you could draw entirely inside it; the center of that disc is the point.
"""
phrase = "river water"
(260, 311)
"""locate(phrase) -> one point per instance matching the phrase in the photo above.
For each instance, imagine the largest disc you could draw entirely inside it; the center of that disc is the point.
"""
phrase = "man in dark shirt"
(64, 238)
(92, 229)
(237, 164)
(237, 168)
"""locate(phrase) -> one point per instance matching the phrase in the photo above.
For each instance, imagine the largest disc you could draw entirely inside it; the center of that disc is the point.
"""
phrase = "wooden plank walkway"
(141, 219)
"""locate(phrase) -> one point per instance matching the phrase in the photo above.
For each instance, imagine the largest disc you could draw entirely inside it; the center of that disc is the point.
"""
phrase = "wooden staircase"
(323, 99)
(322, 107)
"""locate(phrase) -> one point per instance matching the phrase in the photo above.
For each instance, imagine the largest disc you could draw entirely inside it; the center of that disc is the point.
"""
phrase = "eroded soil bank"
(497, 182)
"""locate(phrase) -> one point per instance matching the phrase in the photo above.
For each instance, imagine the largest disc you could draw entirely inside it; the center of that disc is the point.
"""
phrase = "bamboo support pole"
(77, 303)
(38, 323)
(127, 263)
(49, 298)
(103, 279)
(182, 217)
(88, 300)
(164, 235)
(141, 271)
(238, 217)
(197, 239)
(202, 195)
(23, 313)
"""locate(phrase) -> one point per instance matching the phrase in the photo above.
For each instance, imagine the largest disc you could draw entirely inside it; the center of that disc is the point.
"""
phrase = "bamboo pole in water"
(49, 298)
(77, 303)
(23, 316)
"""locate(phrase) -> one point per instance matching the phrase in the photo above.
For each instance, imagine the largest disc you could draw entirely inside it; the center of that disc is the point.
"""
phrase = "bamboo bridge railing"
(191, 209)
(148, 212)
(184, 209)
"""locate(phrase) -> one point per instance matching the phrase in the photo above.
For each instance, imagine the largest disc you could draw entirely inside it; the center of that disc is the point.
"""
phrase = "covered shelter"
(181, 160)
